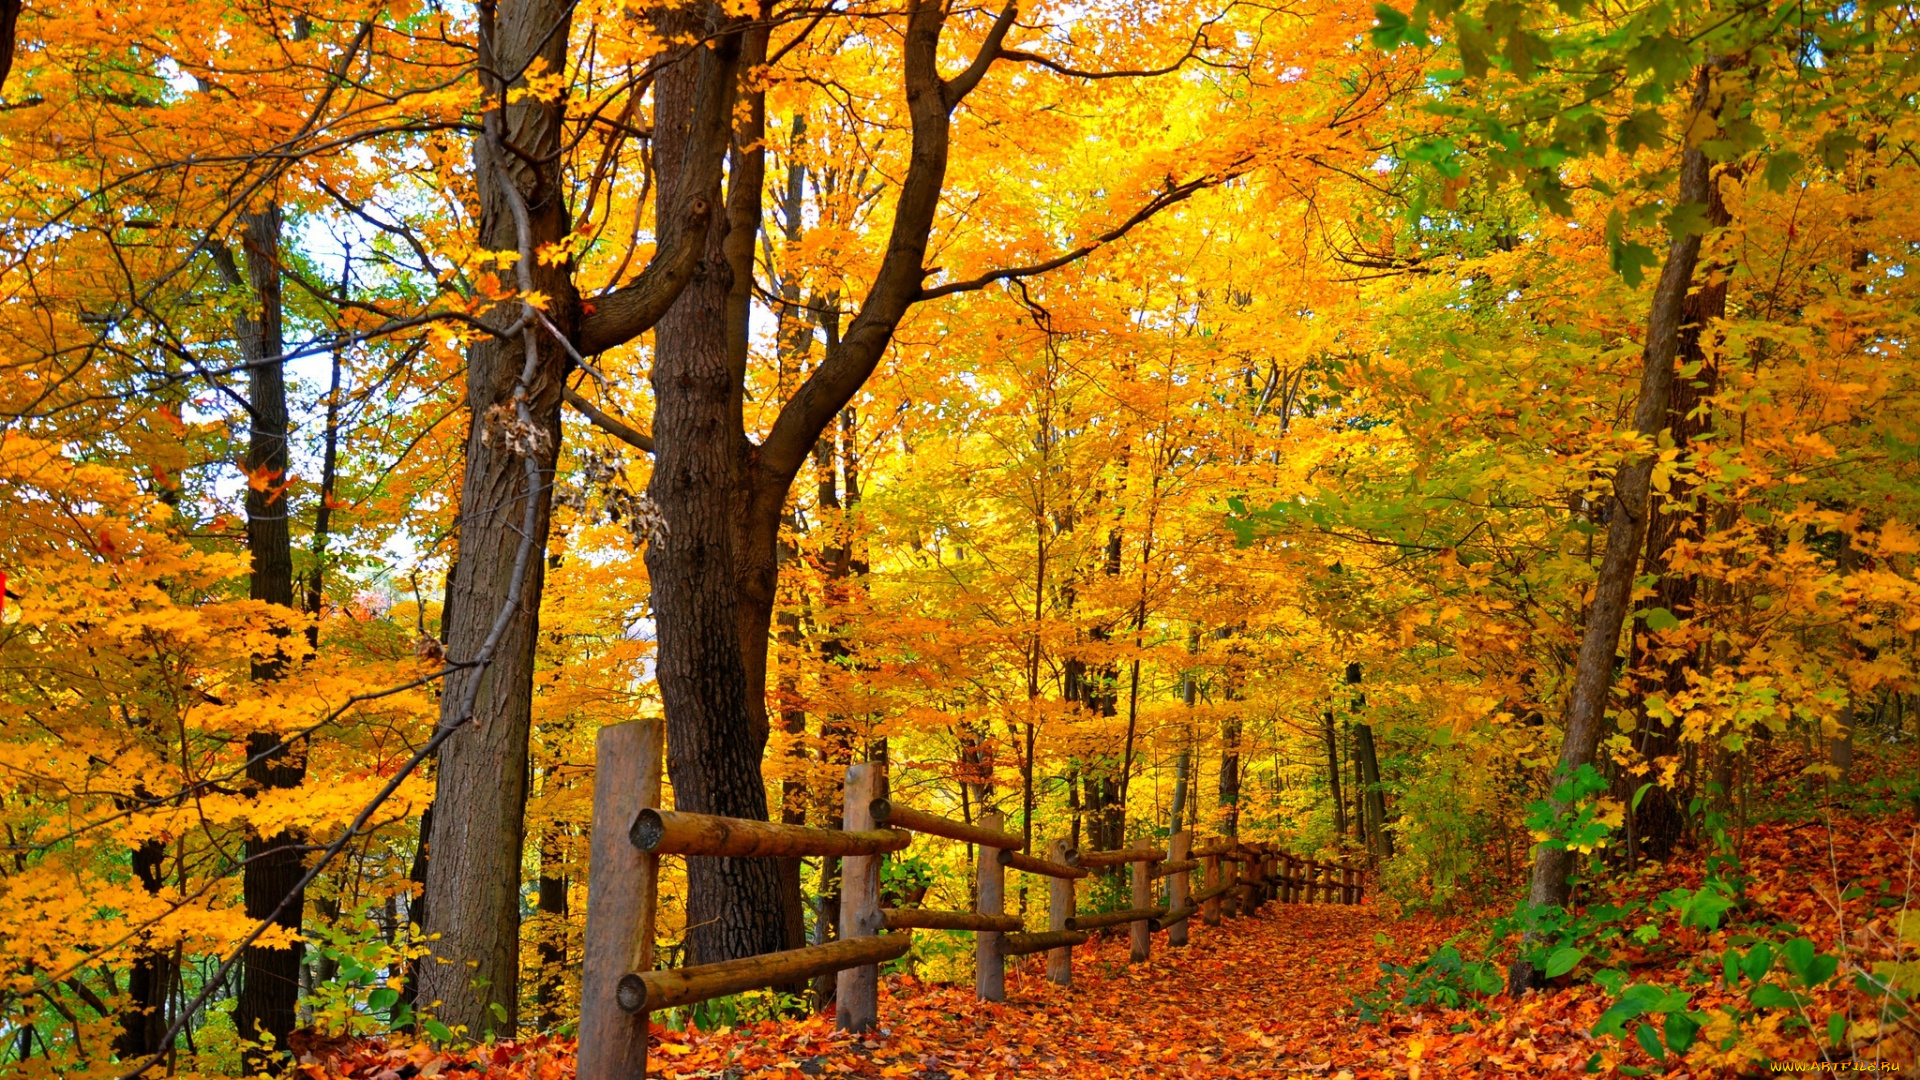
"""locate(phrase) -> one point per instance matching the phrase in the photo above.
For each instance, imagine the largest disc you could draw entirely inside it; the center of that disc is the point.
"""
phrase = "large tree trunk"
(714, 572)
(472, 981)
(716, 729)
(1586, 707)
(1661, 818)
(269, 977)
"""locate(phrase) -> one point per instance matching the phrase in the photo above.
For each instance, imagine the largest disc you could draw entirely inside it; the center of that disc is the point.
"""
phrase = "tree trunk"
(1661, 817)
(143, 1022)
(1375, 798)
(1230, 774)
(716, 729)
(1333, 773)
(479, 826)
(269, 977)
(1626, 526)
(551, 901)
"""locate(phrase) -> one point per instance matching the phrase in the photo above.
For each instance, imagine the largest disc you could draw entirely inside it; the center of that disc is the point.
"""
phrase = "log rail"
(620, 987)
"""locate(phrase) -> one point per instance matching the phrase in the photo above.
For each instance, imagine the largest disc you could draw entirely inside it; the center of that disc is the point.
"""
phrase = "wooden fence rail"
(619, 986)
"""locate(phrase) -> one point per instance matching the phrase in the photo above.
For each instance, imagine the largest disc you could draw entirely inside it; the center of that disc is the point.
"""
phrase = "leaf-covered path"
(1265, 996)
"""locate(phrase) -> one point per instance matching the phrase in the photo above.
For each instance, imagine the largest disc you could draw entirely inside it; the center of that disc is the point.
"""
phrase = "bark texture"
(1660, 820)
(269, 978)
(472, 980)
(1626, 513)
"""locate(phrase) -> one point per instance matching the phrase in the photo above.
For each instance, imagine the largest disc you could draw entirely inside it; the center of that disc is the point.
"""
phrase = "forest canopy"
(1477, 441)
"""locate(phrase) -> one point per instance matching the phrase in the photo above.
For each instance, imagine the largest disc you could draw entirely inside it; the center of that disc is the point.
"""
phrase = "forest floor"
(1273, 995)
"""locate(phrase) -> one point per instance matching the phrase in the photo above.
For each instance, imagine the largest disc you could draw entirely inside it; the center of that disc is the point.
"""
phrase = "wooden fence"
(619, 986)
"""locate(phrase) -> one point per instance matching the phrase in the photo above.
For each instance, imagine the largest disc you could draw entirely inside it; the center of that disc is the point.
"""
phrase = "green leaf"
(1662, 620)
(1758, 962)
(1687, 219)
(1836, 1028)
(1769, 996)
(1564, 960)
(383, 999)
(1643, 128)
(1781, 169)
(1631, 262)
(1809, 967)
(1649, 1041)
(1391, 28)
(1835, 146)
(1681, 1029)
(1730, 967)
(439, 1031)
(1593, 1063)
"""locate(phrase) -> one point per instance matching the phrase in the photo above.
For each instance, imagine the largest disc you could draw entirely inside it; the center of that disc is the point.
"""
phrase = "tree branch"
(618, 317)
(961, 85)
(633, 437)
(1172, 195)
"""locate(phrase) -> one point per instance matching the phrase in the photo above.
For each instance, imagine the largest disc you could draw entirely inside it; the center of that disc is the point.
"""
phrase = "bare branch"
(633, 437)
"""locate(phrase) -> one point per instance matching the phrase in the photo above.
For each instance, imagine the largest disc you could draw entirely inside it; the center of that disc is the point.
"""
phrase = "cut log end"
(646, 832)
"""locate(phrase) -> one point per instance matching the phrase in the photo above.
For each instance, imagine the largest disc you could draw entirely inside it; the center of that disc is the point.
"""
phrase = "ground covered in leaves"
(1273, 995)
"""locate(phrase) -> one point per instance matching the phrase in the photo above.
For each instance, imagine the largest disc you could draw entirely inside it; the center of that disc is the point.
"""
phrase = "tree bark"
(1586, 710)
(143, 1022)
(551, 901)
(1332, 739)
(1661, 817)
(472, 980)
(269, 977)
(1375, 798)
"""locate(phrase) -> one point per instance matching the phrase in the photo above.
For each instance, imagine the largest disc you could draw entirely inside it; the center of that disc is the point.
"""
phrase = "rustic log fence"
(619, 986)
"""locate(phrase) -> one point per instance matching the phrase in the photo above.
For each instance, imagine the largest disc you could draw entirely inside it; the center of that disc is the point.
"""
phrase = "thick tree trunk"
(472, 981)
(1626, 528)
(269, 977)
(716, 729)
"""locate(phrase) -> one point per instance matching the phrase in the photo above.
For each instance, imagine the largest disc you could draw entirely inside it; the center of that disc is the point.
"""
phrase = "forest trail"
(1265, 996)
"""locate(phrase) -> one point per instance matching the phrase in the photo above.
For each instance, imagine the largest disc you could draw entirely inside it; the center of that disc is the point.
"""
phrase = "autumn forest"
(1102, 538)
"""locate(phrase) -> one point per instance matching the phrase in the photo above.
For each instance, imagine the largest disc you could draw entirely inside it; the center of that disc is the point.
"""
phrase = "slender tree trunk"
(1332, 738)
(143, 1023)
(269, 977)
(1661, 818)
(472, 981)
(551, 900)
(1230, 774)
(1626, 528)
(1376, 799)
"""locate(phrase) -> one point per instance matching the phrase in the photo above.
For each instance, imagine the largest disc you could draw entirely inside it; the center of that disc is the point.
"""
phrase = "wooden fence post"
(857, 992)
(1141, 930)
(1059, 910)
(1177, 892)
(989, 967)
(622, 885)
(1210, 876)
